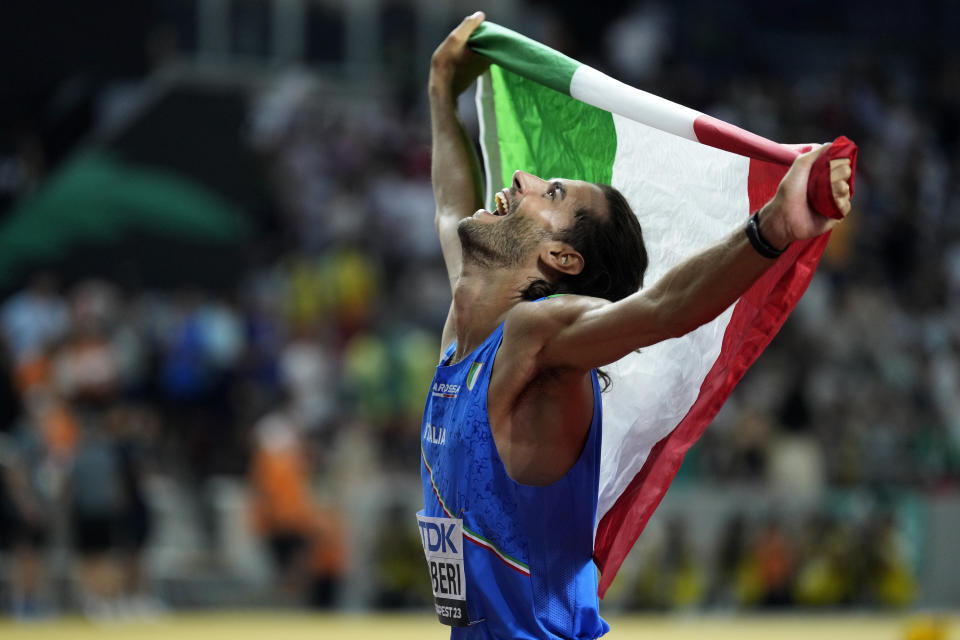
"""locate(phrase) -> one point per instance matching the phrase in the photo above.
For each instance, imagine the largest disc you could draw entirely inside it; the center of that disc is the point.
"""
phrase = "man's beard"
(505, 244)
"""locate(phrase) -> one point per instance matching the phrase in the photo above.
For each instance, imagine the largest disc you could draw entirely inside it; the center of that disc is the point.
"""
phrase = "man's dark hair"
(614, 256)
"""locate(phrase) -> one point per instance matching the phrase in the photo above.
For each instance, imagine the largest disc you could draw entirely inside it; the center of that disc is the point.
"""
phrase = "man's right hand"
(454, 66)
(789, 217)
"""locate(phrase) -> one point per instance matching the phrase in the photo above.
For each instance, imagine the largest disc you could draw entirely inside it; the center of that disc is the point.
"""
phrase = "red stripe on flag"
(757, 317)
(719, 134)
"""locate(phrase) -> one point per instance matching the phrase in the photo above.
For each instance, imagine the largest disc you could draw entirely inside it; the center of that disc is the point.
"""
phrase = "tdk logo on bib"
(439, 536)
(443, 547)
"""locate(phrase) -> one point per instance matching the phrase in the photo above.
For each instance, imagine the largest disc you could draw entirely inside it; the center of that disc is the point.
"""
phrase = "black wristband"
(760, 243)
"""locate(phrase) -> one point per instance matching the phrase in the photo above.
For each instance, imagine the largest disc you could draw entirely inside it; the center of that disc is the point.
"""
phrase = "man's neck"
(481, 300)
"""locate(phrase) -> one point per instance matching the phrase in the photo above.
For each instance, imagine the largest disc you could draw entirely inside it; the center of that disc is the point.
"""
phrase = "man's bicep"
(603, 332)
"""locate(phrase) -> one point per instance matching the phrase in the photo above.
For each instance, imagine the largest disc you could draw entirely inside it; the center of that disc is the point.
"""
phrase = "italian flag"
(691, 179)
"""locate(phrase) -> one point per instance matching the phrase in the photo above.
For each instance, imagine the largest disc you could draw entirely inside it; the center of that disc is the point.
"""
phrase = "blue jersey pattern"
(528, 550)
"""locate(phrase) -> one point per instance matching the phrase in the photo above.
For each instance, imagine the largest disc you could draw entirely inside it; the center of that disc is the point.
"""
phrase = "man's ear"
(562, 258)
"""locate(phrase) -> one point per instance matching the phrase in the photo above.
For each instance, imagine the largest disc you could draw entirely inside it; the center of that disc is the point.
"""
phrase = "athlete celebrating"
(512, 425)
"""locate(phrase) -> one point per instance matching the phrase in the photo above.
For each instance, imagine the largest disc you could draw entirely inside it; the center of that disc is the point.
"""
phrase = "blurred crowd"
(773, 563)
(331, 339)
(103, 389)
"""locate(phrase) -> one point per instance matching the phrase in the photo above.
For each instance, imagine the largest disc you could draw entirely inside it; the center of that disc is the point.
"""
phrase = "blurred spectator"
(97, 505)
(35, 317)
(825, 575)
(670, 575)
(282, 507)
(328, 557)
(133, 430)
(26, 501)
(773, 560)
(889, 581)
(307, 373)
(730, 555)
(189, 365)
(85, 367)
(683, 572)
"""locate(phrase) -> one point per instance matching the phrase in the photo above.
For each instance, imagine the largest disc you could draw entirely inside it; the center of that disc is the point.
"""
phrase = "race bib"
(443, 546)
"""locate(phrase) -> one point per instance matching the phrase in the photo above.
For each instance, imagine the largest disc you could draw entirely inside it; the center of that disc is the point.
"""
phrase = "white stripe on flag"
(600, 90)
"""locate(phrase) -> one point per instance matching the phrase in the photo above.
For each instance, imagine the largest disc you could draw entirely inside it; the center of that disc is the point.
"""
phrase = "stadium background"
(220, 295)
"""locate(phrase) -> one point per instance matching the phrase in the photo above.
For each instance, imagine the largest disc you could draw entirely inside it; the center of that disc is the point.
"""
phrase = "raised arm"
(583, 333)
(455, 170)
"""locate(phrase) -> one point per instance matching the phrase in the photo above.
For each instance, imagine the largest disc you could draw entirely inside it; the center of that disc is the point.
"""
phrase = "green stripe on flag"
(549, 134)
(524, 56)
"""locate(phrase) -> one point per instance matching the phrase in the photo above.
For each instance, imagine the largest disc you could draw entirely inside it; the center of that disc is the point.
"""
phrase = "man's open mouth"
(501, 201)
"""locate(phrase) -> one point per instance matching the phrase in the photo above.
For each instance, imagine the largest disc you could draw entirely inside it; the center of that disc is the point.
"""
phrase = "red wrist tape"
(819, 192)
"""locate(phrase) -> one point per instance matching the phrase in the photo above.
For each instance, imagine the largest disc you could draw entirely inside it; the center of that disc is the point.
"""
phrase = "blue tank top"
(525, 552)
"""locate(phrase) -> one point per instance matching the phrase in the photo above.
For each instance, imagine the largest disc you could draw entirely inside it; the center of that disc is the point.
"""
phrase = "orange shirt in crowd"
(281, 491)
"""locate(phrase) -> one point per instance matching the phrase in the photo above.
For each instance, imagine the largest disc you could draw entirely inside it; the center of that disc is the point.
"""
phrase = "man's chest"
(539, 428)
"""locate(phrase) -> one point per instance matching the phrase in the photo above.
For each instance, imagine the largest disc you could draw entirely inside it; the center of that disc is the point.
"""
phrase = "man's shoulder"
(533, 323)
(558, 308)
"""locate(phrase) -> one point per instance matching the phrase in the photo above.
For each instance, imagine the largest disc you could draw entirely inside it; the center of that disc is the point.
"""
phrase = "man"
(511, 430)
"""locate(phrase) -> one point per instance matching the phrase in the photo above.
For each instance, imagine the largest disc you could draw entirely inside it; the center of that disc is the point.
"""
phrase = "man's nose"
(523, 180)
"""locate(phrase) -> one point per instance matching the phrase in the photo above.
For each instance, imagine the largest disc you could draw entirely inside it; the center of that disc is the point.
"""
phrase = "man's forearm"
(455, 168)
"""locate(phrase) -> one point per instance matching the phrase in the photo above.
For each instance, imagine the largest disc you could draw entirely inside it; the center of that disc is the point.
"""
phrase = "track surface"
(283, 626)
